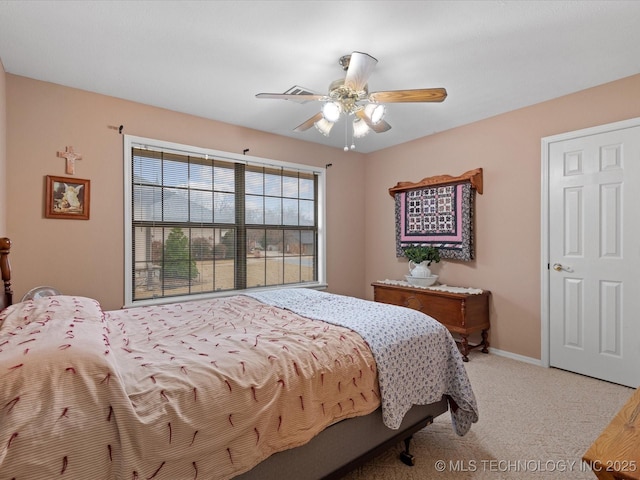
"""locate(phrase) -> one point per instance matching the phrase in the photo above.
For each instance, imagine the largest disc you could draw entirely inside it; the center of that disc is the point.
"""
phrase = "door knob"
(557, 267)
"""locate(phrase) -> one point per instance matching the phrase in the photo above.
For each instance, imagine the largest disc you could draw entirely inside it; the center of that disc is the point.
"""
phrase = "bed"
(267, 384)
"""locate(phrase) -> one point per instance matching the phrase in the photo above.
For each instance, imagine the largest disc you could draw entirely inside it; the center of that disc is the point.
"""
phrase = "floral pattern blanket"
(418, 361)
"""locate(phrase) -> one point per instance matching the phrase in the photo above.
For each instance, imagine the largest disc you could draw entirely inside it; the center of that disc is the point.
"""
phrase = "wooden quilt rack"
(474, 176)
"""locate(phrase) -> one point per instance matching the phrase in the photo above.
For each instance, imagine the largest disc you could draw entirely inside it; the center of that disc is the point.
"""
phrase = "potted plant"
(420, 259)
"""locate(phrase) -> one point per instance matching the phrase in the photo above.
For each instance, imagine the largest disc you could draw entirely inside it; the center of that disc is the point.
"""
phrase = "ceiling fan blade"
(379, 127)
(360, 67)
(309, 123)
(299, 98)
(419, 95)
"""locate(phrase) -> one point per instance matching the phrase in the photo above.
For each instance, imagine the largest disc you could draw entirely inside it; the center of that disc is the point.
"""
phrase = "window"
(201, 222)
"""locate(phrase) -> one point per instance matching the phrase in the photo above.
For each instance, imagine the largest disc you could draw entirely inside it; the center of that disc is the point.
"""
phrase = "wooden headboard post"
(5, 269)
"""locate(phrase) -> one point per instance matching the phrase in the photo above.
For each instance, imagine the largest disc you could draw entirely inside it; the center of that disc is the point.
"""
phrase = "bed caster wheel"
(407, 459)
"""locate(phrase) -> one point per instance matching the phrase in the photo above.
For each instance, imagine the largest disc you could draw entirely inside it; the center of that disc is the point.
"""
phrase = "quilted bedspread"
(418, 360)
(197, 390)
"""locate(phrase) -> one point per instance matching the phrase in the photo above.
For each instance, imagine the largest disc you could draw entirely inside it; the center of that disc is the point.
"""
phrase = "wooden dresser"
(615, 454)
(462, 313)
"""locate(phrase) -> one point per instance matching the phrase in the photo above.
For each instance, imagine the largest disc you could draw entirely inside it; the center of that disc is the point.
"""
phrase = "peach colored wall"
(3, 152)
(508, 214)
(86, 257)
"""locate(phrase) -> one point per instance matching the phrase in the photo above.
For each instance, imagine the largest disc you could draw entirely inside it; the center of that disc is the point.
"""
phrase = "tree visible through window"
(201, 223)
(178, 263)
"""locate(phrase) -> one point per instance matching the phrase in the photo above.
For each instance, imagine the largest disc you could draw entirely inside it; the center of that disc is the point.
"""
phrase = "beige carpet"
(534, 423)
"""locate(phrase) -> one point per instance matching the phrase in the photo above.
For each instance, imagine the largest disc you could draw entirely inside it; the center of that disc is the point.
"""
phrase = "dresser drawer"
(403, 298)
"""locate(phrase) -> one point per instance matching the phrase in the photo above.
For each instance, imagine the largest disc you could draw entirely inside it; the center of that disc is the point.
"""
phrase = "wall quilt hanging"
(438, 211)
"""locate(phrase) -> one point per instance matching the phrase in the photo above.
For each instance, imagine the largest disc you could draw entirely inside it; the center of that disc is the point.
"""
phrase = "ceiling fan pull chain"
(346, 136)
(353, 137)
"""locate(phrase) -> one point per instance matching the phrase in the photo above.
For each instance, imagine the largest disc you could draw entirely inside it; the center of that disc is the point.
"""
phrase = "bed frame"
(346, 445)
(331, 454)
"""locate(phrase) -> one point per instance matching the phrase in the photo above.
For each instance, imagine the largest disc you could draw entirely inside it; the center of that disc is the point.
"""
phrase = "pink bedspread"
(198, 390)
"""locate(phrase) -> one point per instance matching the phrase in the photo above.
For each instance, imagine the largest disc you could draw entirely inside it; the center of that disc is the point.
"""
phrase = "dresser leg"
(464, 347)
(485, 341)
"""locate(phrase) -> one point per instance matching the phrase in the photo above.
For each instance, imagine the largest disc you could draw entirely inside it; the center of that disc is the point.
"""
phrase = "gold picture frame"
(67, 197)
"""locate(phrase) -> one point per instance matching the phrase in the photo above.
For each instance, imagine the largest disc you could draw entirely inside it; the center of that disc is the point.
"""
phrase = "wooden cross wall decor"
(71, 158)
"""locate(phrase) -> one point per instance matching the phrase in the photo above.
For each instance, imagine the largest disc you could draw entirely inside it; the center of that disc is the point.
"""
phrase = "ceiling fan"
(350, 96)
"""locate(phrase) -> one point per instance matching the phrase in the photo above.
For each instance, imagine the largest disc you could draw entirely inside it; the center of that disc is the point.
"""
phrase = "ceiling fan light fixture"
(360, 128)
(375, 112)
(350, 96)
(324, 126)
(331, 111)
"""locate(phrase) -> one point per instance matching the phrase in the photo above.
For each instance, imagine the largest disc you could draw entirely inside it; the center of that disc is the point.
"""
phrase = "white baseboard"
(515, 356)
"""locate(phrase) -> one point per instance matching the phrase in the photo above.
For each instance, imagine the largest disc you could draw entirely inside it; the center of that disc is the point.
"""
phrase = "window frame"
(131, 142)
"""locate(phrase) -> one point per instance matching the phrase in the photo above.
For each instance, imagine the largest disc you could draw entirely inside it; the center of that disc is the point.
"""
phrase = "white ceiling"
(210, 58)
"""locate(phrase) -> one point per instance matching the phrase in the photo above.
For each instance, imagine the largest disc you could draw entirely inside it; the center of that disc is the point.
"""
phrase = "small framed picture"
(67, 198)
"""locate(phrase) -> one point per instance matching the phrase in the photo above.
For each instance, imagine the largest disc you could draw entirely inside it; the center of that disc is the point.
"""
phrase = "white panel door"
(594, 254)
